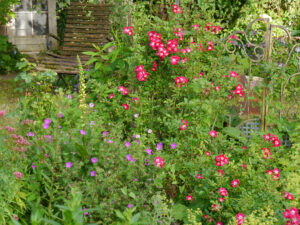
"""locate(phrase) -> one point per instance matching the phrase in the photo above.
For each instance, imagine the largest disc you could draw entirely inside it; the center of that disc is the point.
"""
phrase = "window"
(31, 18)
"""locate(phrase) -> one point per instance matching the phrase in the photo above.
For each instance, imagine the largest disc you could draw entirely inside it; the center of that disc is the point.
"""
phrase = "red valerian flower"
(184, 125)
(123, 90)
(159, 162)
(126, 107)
(235, 183)
(213, 133)
(240, 218)
(223, 192)
(179, 81)
(189, 198)
(175, 59)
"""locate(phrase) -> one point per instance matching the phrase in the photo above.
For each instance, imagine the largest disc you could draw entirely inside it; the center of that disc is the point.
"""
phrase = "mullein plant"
(82, 95)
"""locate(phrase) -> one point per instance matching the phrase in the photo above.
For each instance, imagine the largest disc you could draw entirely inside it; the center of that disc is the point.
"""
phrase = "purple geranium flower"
(173, 145)
(68, 165)
(30, 134)
(129, 206)
(105, 133)
(110, 141)
(47, 121)
(149, 151)
(159, 146)
(91, 105)
(127, 144)
(82, 132)
(92, 123)
(45, 126)
(33, 166)
(60, 115)
(128, 157)
(149, 131)
(94, 160)
(93, 173)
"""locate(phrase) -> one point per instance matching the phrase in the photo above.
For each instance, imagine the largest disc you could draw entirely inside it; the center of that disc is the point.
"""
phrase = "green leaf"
(179, 211)
(135, 218)
(120, 215)
(81, 150)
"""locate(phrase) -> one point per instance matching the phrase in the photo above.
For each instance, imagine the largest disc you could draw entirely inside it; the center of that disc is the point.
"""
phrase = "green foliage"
(9, 56)
(6, 12)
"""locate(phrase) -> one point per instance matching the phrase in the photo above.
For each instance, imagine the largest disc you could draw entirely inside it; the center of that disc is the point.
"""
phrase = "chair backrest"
(86, 24)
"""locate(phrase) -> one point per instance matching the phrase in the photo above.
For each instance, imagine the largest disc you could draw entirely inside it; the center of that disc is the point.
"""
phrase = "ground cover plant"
(149, 139)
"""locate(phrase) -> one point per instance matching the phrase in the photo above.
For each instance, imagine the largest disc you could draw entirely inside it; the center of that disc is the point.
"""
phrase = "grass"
(8, 99)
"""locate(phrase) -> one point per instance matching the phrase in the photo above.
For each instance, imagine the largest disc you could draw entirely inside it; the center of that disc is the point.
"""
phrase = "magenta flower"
(149, 151)
(128, 157)
(69, 96)
(129, 206)
(68, 165)
(30, 134)
(91, 105)
(92, 123)
(173, 145)
(45, 126)
(149, 131)
(33, 166)
(47, 121)
(93, 173)
(110, 141)
(159, 146)
(82, 132)
(18, 175)
(60, 115)
(94, 160)
(85, 213)
(105, 133)
(127, 144)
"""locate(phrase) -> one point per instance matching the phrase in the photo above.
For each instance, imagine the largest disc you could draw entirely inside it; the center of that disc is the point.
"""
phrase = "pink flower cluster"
(123, 90)
(221, 160)
(141, 73)
(154, 67)
(27, 122)
(179, 81)
(212, 28)
(288, 195)
(177, 9)
(238, 90)
(172, 45)
(128, 30)
(159, 162)
(2, 113)
(293, 215)
(18, 175)
(175, 59)
(275, 140)
(223, 192)
(178, 33)
(275, 173)
(240, 218)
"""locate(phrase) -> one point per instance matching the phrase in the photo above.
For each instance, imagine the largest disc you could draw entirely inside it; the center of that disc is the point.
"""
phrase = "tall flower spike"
(82, 95)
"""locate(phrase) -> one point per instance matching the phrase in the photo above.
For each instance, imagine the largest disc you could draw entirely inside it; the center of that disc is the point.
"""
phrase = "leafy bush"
(9, 55)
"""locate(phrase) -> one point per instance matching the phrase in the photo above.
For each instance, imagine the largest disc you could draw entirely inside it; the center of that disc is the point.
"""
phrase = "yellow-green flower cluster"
(82, 94)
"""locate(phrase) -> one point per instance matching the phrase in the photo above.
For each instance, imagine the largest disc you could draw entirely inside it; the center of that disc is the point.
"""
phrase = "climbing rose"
(175, 59)
(184, 125)
(180, 80)
(213, 133)
(126, 107)
(240, 218)
(267, 137)
(176, 9)
(159, 162)
(289, 196)
(141, 73)
(123, 90)
(223, 192)
(235, 183)
(189, 198)
(233, 74)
